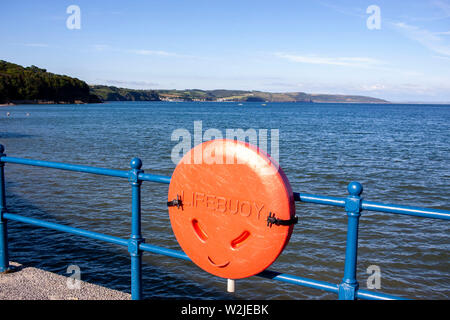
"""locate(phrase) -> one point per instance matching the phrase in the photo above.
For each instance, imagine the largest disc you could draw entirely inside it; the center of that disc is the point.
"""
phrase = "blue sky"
(320, 46)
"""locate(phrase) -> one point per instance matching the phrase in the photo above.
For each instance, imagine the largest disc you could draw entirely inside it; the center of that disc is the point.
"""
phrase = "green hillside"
(106, 93)
(122, 94)
(35, 85)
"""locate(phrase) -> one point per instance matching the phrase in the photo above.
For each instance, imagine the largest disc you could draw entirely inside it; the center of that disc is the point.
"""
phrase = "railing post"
(349, 284)
(4, 257)
(136, 237)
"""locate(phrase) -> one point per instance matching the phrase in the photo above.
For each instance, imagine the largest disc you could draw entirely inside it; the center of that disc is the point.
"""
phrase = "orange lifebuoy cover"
(227, 189)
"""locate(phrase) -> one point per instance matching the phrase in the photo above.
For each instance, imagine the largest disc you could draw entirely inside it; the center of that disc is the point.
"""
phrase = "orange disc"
(227, 190)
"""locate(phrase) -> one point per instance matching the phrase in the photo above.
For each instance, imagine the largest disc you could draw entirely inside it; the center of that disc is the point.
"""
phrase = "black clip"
(175, 202)
(279, 222)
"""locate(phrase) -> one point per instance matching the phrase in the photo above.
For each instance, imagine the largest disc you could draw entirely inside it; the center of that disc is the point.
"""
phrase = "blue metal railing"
(348, 289)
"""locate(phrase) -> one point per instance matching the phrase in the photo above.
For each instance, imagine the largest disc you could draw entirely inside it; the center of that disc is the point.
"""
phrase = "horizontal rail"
(353, 205)
(325, 200)
(302, 197)
(66, 166)
(406, 210)
(85, 169)
(154, 178)
(305, 282)
(63, 228)
(375, 206)
(370, 295)
(268, 274)
(164, 251)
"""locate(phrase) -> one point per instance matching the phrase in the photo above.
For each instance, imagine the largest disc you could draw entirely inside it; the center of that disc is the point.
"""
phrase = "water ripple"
(401, 154)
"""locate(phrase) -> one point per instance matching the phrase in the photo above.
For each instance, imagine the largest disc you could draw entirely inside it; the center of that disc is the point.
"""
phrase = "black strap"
(279, 222)
(175, 202)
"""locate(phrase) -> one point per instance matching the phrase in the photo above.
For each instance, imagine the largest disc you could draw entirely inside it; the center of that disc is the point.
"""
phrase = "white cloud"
(37, 45)
(350, 11)
(442, 57)
(430, 40)
(373, 87)
(361, 62)
(134, 84)
(444, 6)
(445, 33)
(100, 47)
(154, 53)
(143, 52)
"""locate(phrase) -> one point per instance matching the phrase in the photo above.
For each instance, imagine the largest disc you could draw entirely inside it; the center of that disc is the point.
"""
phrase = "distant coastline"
(111, 93)
(33, 85)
